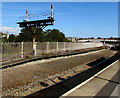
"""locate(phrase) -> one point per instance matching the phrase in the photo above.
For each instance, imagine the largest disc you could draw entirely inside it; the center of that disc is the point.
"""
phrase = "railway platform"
(104, 83)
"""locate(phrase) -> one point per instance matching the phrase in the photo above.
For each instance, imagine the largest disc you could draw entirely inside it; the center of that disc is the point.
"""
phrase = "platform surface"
(105, 83)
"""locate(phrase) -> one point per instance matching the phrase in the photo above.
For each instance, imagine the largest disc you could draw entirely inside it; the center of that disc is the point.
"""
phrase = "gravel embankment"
(25, 79)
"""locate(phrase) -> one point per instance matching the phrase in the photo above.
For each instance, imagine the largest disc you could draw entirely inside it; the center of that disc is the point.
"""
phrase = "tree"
(11, 38)
(55, 36)
(26, 35)
(99, 38)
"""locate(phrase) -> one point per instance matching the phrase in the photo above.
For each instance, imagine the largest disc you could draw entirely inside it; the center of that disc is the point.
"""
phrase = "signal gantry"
(40, 24)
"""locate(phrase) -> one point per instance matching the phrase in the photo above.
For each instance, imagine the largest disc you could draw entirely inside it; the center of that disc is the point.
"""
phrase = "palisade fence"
(10, 51)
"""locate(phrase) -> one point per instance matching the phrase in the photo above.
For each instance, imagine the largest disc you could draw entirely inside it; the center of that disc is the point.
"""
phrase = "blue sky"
(74, 19)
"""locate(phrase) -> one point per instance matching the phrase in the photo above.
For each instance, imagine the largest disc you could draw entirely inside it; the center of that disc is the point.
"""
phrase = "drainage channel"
(58, 89)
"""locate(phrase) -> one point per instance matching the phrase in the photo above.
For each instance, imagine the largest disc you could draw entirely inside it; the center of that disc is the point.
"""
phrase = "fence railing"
(10, 51)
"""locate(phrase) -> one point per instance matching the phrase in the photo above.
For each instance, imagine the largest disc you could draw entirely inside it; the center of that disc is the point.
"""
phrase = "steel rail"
(58, 89)
(44, 57)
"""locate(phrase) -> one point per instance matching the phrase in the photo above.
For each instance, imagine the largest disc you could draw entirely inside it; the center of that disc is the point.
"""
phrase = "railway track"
(45, 57)
(65, 85)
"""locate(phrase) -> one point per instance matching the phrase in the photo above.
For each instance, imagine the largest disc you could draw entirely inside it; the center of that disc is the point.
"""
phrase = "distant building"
(73, 39)
(76, 39)
(2, 35)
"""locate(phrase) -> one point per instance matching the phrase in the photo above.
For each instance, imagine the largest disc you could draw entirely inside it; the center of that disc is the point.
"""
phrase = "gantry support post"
(34, 38)
(34, 43)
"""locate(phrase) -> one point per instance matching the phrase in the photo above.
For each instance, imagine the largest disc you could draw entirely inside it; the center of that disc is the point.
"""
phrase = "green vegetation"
(55, 36)
(26, 35)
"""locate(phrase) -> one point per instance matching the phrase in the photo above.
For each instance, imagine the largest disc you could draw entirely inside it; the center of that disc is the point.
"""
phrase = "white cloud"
(10, 30)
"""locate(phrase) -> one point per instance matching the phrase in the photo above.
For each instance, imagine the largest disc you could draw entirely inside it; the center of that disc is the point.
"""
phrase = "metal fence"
(10, 51)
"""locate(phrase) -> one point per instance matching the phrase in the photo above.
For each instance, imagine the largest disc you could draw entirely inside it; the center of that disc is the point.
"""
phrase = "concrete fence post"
(86, 45)
(71, 46)
(35, 49)
(104, 42)
(64, 46)
(47, 47)
(22, 49)
(57, 47)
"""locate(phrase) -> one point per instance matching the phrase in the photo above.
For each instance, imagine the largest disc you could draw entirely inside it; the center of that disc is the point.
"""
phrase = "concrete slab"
(116, 91)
